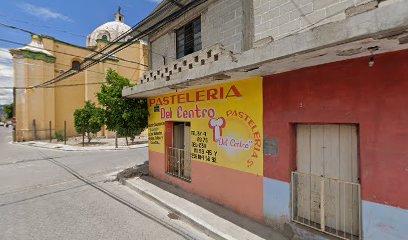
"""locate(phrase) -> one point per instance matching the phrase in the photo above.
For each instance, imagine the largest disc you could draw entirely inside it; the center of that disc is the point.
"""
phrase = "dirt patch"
(90, 144)
(173, 216)
(135, 171)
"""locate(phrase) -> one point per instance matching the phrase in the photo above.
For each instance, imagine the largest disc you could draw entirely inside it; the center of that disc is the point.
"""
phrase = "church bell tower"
(119, 16)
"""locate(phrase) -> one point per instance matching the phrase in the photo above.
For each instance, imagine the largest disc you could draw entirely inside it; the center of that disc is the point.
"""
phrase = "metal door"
(327, 187)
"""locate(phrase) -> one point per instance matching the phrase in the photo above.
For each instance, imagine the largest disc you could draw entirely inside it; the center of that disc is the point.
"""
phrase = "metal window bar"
(176, 163)
(328, 205)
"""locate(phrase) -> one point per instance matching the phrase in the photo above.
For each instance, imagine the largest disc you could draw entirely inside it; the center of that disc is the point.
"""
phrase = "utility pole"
(116, 139)
(13, 120)
(65, 132)
(50, 131)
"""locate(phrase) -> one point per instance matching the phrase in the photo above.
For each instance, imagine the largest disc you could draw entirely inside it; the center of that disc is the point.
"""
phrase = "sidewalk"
(213, 219)
(62, 147)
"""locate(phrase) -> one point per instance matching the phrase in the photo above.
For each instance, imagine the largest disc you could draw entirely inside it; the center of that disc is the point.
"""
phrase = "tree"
(88, 120)
(126, 116)
(8, 110)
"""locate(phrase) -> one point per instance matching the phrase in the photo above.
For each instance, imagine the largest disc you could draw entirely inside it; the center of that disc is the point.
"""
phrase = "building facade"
(41, 109)
(289, 112)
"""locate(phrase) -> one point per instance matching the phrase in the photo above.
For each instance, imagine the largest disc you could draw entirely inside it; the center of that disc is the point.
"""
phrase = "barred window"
(188, 38)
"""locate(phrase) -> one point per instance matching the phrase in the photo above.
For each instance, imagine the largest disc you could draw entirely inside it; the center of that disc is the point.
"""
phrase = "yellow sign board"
(226, 123)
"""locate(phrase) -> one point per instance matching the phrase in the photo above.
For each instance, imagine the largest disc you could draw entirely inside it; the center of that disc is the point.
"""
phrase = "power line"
(121, 46)
(90, 61)
(147, 31)
(74, 85)
(33, 64)
(16, 28)
(72, 72)
(55, 51)
(165, 7)
(81, 35)
(128, 32)
(58, 86)
(32, 33)
(40, 77)
(121, 36)
(42, 26)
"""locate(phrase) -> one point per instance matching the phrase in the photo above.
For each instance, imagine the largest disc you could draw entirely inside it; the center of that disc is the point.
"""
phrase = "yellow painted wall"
(67, 98)
(235, 107)
(58, 104)
(33, 104)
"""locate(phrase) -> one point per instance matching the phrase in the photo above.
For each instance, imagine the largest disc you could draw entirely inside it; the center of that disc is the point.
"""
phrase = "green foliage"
(34, 55)
(8, 110)
(126, 116)
(88, 119)
(59, 135)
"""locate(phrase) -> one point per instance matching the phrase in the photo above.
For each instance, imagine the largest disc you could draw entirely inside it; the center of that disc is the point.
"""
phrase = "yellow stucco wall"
(57, 104)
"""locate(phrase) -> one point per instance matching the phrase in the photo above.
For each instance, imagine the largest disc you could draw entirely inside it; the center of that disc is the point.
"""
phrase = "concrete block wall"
(223, 23)
(164, 46)
(171, 70)
(279, 18)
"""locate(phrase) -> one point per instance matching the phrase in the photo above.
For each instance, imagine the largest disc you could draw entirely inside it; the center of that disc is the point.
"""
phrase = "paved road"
(48, 194)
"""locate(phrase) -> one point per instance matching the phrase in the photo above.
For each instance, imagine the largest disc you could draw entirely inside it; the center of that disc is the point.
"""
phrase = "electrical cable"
(121, 46)
(130, 31)
(72, 72)
(43, 26)
(147, 31)
(33, 64)
(32, 33)
(16, 28)
(59, 30)
(55, 51)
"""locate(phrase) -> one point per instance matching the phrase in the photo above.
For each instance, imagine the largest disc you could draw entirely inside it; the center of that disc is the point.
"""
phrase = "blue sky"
(67, 20)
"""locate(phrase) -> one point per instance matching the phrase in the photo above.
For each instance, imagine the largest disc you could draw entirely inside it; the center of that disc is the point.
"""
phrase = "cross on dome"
(108, 31)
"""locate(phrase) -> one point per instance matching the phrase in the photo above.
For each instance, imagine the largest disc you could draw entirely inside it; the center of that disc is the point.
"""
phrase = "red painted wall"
(376, 98)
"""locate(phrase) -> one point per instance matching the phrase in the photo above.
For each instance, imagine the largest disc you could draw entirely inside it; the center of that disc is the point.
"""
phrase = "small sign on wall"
(271, 147)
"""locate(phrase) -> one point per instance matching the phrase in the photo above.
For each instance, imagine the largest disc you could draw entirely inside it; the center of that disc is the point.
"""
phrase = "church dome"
(109, 31)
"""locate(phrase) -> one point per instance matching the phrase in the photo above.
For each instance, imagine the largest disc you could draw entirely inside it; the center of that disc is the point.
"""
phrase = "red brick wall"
(376, 98)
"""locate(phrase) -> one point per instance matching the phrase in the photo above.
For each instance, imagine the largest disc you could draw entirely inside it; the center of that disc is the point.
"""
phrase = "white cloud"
(155, 1)
(4, 54)
(43, 13)
(6, 70)
(6, 76)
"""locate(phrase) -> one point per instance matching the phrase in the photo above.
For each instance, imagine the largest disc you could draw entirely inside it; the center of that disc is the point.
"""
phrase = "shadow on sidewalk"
(246, 223)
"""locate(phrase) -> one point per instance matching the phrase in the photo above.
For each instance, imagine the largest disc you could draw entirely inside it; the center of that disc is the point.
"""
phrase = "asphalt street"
(50, 194)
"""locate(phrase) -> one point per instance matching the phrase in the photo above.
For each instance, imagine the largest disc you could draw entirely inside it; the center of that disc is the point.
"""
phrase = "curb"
(78, 149)
(194, 222)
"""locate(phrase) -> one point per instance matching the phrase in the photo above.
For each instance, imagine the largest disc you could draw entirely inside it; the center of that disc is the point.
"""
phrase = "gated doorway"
(178, 161)
(325, 187)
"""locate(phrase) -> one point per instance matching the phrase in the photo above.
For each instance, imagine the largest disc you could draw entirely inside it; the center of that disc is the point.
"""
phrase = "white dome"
(108, 31)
